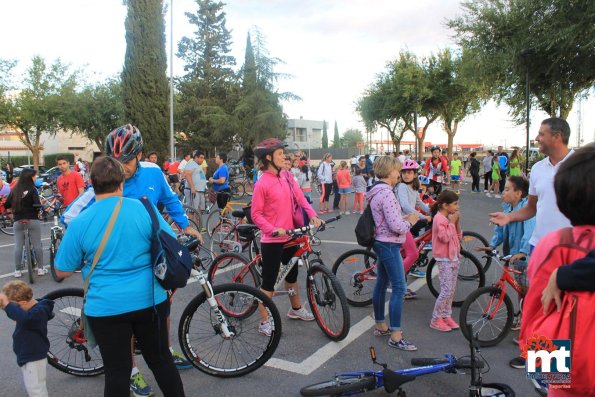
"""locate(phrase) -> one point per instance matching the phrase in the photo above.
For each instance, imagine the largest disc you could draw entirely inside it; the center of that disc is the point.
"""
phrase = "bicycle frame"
(505, 278)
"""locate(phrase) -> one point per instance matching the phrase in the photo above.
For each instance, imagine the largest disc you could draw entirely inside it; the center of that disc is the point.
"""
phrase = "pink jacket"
(446, 240)
(272, 206)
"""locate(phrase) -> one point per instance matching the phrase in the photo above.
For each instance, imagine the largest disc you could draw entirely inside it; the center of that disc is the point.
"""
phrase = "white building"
(304, 134)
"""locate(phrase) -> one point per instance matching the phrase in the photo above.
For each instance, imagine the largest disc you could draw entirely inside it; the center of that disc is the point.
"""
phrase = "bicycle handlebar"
(302, 230)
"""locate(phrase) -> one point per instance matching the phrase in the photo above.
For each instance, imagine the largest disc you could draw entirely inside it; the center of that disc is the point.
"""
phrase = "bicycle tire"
(254, 244)
(177, 230)
(54, 244)
(227, 267)
(238, 190)
(65, 354)
(213, 220)
(490, 332)
(468, 245)
(496, 390)
(29, 259)
(342, 384)
(323, 296)
(224, 239)
(470, 278)
(348, 269)
(203, 344)
(7, 224)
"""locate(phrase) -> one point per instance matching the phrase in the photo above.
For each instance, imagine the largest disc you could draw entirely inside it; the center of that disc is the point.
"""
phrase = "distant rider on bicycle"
(436, 168)
(272, 209)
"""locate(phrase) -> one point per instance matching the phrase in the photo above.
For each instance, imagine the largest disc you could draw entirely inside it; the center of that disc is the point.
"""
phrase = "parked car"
(17, 170)
(51, 175)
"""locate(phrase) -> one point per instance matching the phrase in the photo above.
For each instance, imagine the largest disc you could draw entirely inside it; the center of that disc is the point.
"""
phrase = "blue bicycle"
(350, 383)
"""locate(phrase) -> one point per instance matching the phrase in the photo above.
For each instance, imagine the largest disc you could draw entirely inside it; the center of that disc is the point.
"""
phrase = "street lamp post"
(526, 54)
(171, 80)
(419, 154)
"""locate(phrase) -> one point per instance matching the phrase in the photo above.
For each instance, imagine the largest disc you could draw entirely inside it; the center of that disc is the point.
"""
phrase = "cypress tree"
(145, 90)
(324, 136)
(336, 138)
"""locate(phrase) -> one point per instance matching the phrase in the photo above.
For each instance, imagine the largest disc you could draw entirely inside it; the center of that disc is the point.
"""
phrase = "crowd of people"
(404, 199)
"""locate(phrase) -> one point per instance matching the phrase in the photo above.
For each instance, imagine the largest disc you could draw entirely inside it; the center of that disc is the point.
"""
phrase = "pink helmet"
(410, 165)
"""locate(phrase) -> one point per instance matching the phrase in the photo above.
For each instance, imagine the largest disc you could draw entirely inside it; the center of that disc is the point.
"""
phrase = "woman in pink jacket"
(272, 209)
(446, 246)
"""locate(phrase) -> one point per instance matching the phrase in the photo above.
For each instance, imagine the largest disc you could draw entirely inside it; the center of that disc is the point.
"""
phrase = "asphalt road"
(304, 353)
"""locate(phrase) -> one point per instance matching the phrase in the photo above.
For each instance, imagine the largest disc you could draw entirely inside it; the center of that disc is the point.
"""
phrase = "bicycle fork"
(224, 326)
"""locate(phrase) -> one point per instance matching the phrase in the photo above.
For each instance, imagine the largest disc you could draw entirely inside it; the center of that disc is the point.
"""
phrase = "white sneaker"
(497, 196)
(18, 274)
(347, 212)
(266, 328)
(488, 195)
(40, 271)
(300, 314)
(485, 191)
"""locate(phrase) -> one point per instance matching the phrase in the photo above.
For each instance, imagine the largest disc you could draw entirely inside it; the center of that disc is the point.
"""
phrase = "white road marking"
(10, 245)
(331, 349)
(339, 242)
(72, 311)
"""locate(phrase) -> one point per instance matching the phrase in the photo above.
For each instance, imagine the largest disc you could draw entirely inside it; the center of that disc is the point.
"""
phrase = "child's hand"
(3, 300)
(454, 218)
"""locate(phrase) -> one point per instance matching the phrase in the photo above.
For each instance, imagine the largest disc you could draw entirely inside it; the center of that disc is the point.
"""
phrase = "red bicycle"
(325, 295)
(356, 270)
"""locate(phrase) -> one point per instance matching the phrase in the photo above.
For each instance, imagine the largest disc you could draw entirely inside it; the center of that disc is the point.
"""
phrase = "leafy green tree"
(324, 136)
(5, 85)
(259, 112)
(97, 110)
(336, 138)
(145, 90)
(40, 105)
(209, 91)
(457, 92)
(553, 39)
(351, 137)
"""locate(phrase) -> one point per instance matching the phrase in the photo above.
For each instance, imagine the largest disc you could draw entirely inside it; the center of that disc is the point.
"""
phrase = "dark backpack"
(365, 229)
(171, 260)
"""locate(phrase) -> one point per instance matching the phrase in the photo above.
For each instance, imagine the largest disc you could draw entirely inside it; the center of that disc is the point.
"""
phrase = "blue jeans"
(389, 269)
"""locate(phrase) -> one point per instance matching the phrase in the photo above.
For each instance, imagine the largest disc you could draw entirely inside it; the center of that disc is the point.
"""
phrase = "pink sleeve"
(442, 229)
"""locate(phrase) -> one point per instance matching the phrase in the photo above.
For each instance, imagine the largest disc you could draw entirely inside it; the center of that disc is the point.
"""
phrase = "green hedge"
(50, 159)
(17, 160)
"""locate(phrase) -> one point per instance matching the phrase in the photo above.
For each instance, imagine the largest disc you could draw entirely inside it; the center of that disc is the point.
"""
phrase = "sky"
(332, 49)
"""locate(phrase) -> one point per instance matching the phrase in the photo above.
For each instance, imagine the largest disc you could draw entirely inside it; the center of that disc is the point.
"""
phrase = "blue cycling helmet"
(124, 143)
(424, 180)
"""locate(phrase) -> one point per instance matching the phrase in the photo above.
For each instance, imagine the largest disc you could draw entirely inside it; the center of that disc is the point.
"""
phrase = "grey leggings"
(34, 227)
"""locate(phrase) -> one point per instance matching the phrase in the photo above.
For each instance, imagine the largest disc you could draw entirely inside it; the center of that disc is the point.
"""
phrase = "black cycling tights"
(272, 256)
(113, 335)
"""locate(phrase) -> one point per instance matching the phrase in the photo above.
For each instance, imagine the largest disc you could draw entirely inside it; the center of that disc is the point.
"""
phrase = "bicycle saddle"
(246, 230)
(393, 380)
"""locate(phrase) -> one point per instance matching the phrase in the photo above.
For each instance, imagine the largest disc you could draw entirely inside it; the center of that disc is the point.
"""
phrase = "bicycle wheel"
(470, 278)
(28, 258)
(232, 268)
(237, 190)
(342, 384)
(355, 270)
(224, 238)
(496, 390)
(476, 310)
(213, 219)
(203, 343)
(254, 246)
(7, 224)
(177, 230)
(54, 244)
(472, 240)
(327, 301)
(68, 351)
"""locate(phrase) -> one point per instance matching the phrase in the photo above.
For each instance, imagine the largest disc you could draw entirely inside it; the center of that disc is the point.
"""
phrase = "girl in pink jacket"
(272, 211)
(446, 245)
